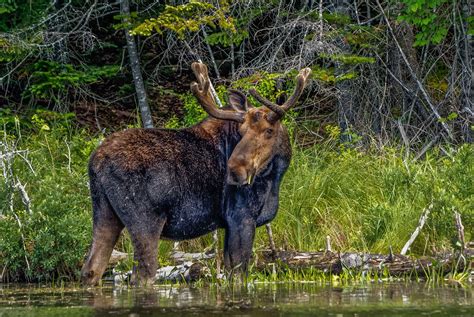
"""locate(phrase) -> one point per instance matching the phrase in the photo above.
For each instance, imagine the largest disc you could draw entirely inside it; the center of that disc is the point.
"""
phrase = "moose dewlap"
(224, 172)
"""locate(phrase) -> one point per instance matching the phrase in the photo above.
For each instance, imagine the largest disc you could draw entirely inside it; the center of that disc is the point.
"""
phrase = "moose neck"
(222, 133)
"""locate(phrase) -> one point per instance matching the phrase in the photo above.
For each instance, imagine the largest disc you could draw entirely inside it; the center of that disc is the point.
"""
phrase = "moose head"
(260, 128)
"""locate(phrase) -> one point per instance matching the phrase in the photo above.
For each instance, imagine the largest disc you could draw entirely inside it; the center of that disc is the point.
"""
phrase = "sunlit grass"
(368, 201)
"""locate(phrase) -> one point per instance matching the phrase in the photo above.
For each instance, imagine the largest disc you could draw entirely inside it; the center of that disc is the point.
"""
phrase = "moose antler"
(279, 111)
(202, 92)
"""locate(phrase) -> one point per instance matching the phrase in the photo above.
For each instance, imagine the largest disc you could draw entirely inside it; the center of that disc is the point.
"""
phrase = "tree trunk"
(147, 121)
(344, 100)
(402, 103)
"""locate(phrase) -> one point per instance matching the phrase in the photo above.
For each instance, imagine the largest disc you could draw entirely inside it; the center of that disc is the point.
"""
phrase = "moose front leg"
(239, 236)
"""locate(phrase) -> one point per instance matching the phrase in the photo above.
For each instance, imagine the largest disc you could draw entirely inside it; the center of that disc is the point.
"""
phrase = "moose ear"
(281, 99)
(238, 101)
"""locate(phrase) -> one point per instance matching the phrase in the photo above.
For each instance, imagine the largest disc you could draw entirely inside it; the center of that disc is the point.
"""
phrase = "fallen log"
(185, 272)
(336, 263)
(194, 266)
(187, 267)
(116, 257)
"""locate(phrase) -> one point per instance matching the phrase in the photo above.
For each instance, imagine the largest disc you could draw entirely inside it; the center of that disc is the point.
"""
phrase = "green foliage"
(173, 123)
(262, 82)
(193, 110)
(365, 37)
(8, 119)
(189, 17)
(239, 31)
(329, 76)
(193, 113)
(18, 13)
(470, 25)
(225, 39)
(125, 90)
(430, 17)
(35, 120)
(7, 6)
(334, 18)
(55, 236)
(48, 78)
(9, 51)
(452, 116)
(127, 21)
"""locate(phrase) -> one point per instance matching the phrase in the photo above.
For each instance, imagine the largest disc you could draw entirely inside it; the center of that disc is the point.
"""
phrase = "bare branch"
(417, 231)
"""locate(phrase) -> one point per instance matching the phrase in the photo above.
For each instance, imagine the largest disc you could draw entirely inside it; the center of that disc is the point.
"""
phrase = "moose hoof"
(89, 278)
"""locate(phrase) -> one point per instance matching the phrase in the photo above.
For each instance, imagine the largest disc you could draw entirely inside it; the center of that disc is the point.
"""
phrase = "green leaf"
(452, 116)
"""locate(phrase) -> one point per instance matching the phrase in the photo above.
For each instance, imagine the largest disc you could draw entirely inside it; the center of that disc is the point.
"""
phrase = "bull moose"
(224, 172)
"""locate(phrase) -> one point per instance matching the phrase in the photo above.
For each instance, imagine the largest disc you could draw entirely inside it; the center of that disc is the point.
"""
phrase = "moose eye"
(269, 132)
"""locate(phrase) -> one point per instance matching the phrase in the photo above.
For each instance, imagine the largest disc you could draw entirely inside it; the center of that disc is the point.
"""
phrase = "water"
(280, 299)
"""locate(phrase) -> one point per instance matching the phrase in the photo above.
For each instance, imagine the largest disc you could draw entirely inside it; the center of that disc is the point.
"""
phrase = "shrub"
(50, 241)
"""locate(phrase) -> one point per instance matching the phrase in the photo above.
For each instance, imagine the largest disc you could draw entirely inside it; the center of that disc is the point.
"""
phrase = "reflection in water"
(301, 299)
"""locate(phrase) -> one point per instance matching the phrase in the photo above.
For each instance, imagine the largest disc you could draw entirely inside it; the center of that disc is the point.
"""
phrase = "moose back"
(224, 172)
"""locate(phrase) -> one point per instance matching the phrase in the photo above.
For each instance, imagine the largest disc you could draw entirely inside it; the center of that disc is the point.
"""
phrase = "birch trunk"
(145, 113)
(344, 100)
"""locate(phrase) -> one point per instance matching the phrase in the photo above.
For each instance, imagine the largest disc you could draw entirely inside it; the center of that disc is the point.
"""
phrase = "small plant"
(430, 19)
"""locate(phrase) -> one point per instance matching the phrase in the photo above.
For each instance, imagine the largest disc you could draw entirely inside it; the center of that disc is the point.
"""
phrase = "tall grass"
(365, 200)
(370, 200)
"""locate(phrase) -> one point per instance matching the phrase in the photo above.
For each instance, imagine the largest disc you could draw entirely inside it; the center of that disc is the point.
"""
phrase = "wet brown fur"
(181, 163)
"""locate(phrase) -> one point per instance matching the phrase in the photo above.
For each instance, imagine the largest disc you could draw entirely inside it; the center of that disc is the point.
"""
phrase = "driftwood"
(194, 266)
(187, 271)
(336, 263)
(116, 257)
(460, 229)
(187, 267)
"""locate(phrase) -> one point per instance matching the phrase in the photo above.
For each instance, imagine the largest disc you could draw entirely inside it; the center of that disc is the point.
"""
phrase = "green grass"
(369, 200)
(365, 200)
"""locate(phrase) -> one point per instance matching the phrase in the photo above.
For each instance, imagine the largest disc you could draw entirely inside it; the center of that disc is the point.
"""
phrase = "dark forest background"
(385, 70)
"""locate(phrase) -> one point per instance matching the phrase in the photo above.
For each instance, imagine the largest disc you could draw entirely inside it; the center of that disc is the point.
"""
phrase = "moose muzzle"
(240, 174)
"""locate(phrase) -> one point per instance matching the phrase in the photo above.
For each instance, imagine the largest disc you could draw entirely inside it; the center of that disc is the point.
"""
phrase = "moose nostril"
(234, 178)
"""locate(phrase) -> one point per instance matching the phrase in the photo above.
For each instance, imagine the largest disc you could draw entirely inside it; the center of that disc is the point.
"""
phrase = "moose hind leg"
(145, 236)
(106, 231)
